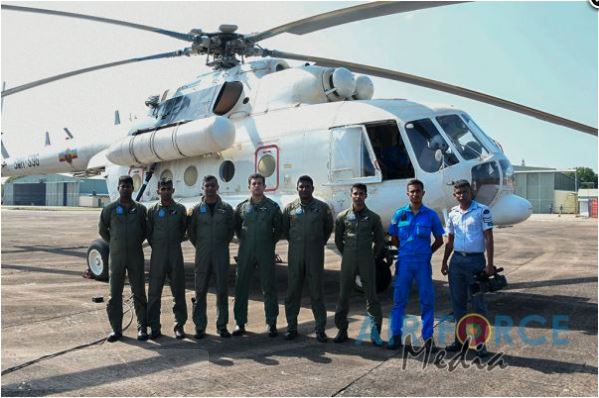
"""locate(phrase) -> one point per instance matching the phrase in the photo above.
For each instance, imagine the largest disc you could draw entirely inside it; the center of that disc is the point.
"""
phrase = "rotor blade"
(176, 35)
(346, 15)
(36, 83)
(440, 86)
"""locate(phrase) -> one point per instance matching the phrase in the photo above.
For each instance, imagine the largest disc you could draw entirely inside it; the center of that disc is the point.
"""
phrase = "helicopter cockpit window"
(467, 144)
(186, 107)
(227, 97)
(430, 148)
(350, 156)
(390, 151)
(488, 141)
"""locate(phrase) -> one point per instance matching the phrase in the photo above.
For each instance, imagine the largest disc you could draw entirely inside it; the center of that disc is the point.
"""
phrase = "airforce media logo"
(594, 3)
(474, 329)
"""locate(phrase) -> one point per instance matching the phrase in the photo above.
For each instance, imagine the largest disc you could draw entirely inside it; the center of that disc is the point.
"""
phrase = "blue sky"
(540, 54)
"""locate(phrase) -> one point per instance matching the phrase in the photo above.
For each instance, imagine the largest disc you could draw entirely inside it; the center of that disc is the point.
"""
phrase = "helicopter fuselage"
(285, 122)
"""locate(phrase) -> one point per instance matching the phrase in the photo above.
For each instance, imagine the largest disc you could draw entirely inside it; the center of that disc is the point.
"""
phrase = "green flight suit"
(308, 228)
(124, 228)
(360, 238)
(258, 227)
(210, 232)
(166, 231)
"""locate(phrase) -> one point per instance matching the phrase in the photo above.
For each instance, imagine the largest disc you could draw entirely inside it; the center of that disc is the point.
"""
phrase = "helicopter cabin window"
(462, 137)
(390, 151)
(227, 97)
(190, 176)
(430, 148)
(350, 155)
(227, 171)
(166, 174)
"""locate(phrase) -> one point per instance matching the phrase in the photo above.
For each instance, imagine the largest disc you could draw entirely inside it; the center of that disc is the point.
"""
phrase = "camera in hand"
(484, 283)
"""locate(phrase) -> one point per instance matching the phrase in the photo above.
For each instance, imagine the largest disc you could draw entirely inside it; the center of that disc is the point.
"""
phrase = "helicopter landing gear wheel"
(97, 259)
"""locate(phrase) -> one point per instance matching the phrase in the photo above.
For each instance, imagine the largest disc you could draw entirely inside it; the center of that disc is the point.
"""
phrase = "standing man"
(258, 227)
(167, 223)
(470, 232)
(307, 224)
(359, 237)
(411, 228)
(210, 232)
(123, 225)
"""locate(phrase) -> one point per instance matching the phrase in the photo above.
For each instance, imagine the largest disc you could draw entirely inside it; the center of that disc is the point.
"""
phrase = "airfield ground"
(53, 334)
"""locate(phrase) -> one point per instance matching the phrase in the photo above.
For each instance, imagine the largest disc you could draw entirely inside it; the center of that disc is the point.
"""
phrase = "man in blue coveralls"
(410, 229)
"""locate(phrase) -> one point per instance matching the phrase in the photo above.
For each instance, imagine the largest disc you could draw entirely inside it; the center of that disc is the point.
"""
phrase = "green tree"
(585, 174)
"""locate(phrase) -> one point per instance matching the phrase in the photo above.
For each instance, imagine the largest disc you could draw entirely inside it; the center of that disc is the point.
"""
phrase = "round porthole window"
(190, 176)
(227, 171)
(166, 174)
(267, 165)
(136, 182)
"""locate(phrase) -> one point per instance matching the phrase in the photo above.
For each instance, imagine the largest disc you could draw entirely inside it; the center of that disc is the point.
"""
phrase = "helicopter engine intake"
(195, 138)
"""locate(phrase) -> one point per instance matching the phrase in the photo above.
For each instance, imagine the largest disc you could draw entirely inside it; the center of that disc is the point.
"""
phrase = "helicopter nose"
(511, 209)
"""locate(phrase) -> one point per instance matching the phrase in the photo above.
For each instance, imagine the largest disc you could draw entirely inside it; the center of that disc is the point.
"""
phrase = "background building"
(55, 190)
(548, 190)
(587, 202)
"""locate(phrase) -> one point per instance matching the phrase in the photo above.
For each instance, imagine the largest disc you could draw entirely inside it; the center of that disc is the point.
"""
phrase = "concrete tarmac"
(53, 335)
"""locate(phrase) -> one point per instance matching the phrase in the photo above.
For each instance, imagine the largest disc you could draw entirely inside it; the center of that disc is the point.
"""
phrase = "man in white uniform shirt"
(470, 234)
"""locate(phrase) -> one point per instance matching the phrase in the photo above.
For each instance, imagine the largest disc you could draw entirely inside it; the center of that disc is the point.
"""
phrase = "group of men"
(307, 223)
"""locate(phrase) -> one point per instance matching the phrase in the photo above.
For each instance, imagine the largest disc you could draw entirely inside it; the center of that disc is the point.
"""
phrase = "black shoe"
(224, 333)
(290, 335)
(394, 342)
(114, 336)
(239, 330)
(272, 331)
(429, 345)
(454, 347)
(341, 336)
(179, 333)
(155, 334)
(200, 334)
(142, 334)
(322, 337)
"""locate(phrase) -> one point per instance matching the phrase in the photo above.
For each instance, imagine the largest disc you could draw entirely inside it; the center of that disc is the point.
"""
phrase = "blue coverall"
(414, 262)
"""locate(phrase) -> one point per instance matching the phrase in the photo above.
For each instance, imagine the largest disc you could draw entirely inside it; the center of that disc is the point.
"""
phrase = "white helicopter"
(265, 116)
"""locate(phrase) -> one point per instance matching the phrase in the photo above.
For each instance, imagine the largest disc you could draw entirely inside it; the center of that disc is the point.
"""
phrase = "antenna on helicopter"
(47, 143)
(68, 133)
(117, 117)
(5, 154)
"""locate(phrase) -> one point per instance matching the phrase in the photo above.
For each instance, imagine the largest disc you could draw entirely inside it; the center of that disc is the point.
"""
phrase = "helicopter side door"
(351, 160)
(351, 157)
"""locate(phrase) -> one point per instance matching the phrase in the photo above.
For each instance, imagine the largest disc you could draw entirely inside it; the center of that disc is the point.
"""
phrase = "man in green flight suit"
(258, 227)
(210, 231)
(167, 222)
(123, 225)
(360, 238)
(307, 224)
